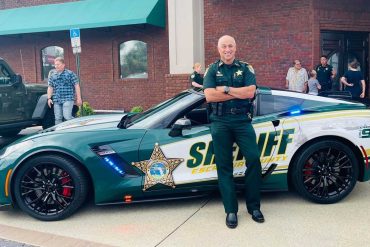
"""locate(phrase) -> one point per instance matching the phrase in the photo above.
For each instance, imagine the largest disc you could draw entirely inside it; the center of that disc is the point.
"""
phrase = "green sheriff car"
(317, 146)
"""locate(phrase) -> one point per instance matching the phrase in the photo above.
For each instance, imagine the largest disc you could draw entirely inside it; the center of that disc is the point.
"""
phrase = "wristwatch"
(226, 89)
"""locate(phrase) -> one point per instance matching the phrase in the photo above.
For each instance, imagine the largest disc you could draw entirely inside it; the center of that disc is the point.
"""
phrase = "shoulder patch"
(205, 73)
(192, 76)
(250, 68)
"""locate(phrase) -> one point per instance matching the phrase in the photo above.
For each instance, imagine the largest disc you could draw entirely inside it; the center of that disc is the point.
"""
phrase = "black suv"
(21, 105)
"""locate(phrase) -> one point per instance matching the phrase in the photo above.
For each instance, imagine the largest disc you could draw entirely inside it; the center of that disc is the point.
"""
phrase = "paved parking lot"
(290, 221)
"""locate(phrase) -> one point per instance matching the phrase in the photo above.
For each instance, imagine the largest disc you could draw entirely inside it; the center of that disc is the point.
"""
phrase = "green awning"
(82, 14)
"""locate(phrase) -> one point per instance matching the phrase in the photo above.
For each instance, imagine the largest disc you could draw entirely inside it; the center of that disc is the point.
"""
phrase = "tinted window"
(273, 103)
(162, 115)
(4, 76)
(269, 104)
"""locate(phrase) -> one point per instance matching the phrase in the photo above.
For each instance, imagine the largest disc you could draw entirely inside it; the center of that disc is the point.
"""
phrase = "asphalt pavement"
(290, 221)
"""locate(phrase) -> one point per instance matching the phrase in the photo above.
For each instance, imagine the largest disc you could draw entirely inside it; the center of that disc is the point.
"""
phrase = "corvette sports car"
(314, 145)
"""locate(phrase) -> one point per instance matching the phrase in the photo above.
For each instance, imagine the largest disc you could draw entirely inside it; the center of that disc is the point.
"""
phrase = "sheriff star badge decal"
(158, 169)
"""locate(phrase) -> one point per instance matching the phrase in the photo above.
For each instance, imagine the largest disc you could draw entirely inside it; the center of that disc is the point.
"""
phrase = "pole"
(78, 76)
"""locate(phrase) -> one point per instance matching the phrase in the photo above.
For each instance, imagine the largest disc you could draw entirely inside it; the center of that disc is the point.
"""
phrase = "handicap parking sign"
(75, 40)
(74, 33)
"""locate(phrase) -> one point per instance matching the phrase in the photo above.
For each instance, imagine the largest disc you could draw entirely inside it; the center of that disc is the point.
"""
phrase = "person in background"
(63, 90)
(313, 84)
(196, 79)
(325, 74)
(296, 78)
(353, 80)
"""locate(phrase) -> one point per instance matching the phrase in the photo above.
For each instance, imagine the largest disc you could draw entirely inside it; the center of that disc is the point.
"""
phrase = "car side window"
(4, 76)
(198, 115)
(269, 104)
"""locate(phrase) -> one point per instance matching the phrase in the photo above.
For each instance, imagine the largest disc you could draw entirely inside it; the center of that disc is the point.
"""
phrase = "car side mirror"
(17, 79)
(179, 125)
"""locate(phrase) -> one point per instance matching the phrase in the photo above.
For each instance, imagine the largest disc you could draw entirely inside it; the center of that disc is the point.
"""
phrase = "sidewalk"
(290, 221)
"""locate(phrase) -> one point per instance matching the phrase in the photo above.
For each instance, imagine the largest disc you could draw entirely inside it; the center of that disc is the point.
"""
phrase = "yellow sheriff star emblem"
(239, 72)
(158, 169)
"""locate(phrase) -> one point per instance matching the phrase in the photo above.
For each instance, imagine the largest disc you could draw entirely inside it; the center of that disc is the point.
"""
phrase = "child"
(313, 83)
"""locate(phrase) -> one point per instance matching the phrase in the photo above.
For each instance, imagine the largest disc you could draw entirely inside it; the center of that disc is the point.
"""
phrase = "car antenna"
(23, 74)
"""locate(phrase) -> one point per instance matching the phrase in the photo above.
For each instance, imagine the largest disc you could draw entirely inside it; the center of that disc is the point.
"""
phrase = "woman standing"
(353, 80)
(196, 79)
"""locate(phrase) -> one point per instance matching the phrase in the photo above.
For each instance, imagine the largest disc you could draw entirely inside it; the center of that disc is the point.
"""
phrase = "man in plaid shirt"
(63, 90)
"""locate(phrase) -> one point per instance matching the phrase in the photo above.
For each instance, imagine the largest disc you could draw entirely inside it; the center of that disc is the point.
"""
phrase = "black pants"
(224, 134)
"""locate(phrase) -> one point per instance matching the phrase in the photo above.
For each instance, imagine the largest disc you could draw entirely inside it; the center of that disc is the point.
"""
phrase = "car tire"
(325, 172)
(48, 120)
(50, 187)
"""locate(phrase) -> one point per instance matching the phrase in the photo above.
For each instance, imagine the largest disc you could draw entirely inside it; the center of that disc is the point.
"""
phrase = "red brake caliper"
(66, 191)
(308, 170)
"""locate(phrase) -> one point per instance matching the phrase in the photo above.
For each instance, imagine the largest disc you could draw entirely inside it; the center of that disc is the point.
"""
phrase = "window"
(48, 54)
(272, 104)
(133, 59)
(4, 76)
(334, 60)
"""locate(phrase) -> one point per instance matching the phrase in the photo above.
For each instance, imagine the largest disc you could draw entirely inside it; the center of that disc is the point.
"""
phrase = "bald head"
(226, 38)
(227, 48)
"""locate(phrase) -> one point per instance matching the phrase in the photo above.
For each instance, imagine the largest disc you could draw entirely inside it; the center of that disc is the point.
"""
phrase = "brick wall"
(176, 84)
(9, 4)
(99, 60)
(344, 15)
(269, 34)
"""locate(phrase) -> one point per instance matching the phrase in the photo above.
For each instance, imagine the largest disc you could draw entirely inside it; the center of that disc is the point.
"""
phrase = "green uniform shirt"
(195, 76)
(237, 74)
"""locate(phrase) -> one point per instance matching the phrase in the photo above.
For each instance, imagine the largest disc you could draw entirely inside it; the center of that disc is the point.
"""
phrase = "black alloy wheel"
(325, 172)
(50, 187)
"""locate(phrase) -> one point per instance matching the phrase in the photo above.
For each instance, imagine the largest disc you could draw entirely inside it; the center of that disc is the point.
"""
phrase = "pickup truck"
(22, 104)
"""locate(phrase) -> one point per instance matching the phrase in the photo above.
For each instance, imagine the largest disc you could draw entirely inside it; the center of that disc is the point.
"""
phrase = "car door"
(194, 168)
(279, 110)
(11, 96)
(179, 162)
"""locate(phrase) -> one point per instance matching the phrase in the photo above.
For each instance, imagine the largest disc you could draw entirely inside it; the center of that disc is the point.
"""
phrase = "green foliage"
(137, 109)
(87, 110)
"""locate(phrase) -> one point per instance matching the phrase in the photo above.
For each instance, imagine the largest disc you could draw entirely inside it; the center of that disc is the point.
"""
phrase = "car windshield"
(161, 115)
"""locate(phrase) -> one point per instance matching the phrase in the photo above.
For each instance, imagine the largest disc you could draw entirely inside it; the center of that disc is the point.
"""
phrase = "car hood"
(88, 123)
(33, 87)
(93, 121)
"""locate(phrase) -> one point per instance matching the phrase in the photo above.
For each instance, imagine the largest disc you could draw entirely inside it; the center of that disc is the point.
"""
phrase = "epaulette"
(248, 66)
(243, 62)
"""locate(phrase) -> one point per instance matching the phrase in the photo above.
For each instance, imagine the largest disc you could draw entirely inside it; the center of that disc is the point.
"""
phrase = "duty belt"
(236, 111)
(219, 109)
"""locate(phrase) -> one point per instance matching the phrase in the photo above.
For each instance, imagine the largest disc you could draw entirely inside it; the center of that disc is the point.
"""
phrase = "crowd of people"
(321, 78)
(314, 81)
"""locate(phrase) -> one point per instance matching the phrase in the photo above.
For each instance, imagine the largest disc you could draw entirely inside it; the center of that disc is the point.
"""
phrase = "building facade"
(269, 35)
